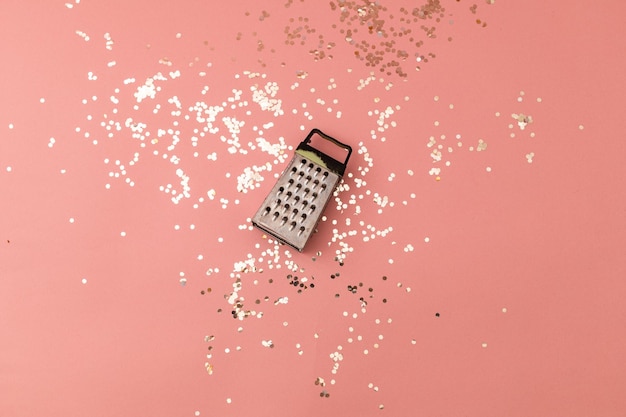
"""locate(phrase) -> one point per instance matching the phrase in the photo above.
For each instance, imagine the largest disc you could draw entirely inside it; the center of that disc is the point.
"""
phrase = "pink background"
(504, 265)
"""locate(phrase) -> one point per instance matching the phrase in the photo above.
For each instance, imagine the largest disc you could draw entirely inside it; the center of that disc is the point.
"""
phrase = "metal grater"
(295, 204)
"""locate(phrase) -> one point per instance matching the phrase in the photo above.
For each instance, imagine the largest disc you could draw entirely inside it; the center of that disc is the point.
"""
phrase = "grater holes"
(308, 179)
(275, 215)
(267, 211)
(318, 170)
(296, 199)
(303, 217)
(301, 230)
(306, 191)
(298, 187)
(316, 183)
(312, 208)
(304, 203)
(293, 170)
(294, 213)
(323, 187)
(289, 194)
(300, 175)
(277, 202)
(292, 225)
(286, 207)
(313, 196)
(280, 190)
(283, 221)
(290, 182)
(309, 168)
(325, 174)
(303, 162)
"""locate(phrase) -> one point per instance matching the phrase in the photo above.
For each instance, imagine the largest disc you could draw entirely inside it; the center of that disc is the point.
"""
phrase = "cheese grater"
(295, 204)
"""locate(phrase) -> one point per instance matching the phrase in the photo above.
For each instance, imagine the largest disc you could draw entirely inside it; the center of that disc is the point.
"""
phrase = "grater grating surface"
(295, 204)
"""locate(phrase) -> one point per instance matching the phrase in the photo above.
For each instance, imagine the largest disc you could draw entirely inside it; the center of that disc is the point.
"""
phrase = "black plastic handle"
(331, 139)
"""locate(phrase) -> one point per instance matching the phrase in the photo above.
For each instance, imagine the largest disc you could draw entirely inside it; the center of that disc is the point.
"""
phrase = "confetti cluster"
(393, 40)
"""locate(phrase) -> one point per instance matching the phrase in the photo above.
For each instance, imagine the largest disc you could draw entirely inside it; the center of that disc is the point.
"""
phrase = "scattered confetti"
(209, 152)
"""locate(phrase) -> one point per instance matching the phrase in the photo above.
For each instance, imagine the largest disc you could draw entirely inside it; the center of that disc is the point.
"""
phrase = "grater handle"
(331, 139)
